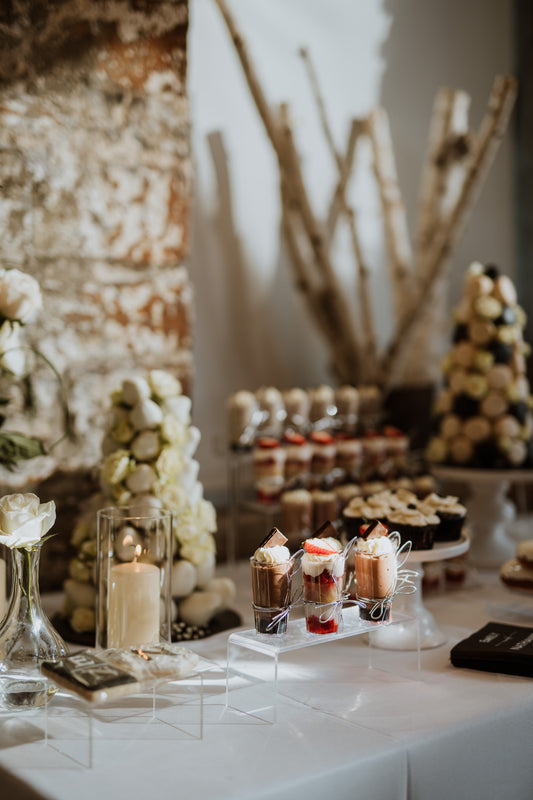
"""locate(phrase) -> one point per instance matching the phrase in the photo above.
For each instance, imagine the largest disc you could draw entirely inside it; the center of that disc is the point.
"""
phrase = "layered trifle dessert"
(323, 584)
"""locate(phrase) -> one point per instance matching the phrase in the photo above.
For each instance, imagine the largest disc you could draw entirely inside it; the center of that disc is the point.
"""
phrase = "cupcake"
(414, 526)
(451, 513)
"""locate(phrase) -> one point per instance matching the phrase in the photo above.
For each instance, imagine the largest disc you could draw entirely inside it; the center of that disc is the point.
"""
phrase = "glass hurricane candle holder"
(134, 569)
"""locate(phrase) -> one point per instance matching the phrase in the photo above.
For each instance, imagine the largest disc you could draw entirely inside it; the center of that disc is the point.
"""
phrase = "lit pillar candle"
(3, 602)
(134, 607)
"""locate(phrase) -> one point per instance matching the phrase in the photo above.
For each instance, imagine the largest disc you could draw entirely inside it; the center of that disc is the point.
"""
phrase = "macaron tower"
(482, 416)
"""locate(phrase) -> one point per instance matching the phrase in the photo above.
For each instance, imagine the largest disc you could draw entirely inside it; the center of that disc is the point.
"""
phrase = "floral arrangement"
(20, 302)
(148, 462)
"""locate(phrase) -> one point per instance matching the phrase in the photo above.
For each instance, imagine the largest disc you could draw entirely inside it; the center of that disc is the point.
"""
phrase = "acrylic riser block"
(260, 675)
(70, 732)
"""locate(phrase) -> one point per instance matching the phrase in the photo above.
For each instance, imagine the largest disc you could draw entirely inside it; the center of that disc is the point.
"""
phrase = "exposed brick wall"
(96, 177)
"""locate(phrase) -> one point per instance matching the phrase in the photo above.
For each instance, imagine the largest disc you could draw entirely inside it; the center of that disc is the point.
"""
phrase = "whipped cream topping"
(380, 546)
(278, 554)
(315, 563)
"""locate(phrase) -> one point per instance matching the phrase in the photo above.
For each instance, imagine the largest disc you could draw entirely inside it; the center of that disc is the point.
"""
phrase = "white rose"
(121, 496)
(24, 520)
(192, 441)
(163, 384)
(146, 446)
(169, 464)
(172, 496)
(122, 431)
(188, 475)
(180, 407)
(207, 516)
(20, 296)
(146, 415)
(173, 431)
(135, 390)
(195, 494)
(116, 467)
(141, 479)
(12, 355)
(185, 525)
(198, 549)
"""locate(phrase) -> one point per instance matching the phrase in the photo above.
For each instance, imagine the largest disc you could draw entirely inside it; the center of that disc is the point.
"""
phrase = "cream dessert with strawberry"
(375, 572)
(323, 581)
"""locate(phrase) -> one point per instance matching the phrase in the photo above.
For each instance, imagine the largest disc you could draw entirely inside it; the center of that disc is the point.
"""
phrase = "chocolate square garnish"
(326, 530)
(275, 537)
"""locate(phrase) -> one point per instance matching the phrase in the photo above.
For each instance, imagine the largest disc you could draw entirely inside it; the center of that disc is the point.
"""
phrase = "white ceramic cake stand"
(420, 629)
(488, 510)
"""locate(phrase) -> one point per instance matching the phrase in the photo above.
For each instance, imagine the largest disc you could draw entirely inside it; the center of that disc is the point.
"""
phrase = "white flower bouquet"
(20, 303)
(148, 462)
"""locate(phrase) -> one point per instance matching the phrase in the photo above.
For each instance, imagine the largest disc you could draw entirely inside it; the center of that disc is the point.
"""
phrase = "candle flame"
(138, 551)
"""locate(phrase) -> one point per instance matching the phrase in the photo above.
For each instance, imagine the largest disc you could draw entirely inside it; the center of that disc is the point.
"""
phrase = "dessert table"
(394, 725)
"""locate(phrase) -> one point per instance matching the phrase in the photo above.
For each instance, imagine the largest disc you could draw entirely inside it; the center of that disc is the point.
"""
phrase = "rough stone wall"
(96, 183)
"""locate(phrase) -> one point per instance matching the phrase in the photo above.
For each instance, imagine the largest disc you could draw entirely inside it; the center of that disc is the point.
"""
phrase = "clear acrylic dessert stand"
(254, 660)
(70, 730)
(418, 631)
(488, 510)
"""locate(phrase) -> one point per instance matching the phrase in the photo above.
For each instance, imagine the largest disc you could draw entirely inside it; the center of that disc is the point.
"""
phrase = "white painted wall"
(252, 328)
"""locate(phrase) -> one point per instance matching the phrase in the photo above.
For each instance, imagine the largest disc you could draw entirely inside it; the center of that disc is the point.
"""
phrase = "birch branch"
(487, 141)
(249, 71)
(394, 219)
(340, 319)
(444, 167)
(357, 128)
(368, 331)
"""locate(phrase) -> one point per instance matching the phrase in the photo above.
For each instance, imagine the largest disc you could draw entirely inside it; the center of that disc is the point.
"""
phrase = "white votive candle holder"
(134, 568)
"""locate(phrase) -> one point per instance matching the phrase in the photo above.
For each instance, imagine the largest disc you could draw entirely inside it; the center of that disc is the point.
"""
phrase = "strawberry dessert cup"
(323, 584)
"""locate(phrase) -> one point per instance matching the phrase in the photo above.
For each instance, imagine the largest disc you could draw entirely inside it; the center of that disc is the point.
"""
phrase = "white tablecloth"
(344, 730)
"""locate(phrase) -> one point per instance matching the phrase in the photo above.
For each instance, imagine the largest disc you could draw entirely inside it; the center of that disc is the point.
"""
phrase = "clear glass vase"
(26, 637)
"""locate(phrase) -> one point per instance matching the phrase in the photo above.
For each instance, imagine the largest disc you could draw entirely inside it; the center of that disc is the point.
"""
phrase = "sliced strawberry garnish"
(321, 437)
(318, 548)
(291, 437)
(267, 442)
(392, 432)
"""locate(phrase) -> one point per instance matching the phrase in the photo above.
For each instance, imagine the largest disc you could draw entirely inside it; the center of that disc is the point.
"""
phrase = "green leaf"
(15, 447)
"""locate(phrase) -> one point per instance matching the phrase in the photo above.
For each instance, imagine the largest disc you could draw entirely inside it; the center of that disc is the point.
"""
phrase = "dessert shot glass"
(376, 569)
(271, 593)
(323, 589)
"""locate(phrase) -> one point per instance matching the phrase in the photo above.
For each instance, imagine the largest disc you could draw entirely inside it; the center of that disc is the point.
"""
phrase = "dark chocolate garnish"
(326, 529)
(369, 528)
(275, 537)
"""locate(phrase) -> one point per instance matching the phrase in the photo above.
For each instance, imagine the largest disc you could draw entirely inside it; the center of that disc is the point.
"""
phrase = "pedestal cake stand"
(420, 629)
(487, 514)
